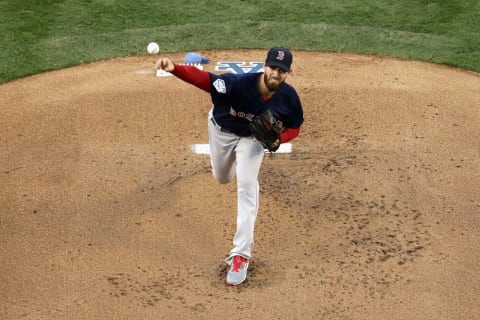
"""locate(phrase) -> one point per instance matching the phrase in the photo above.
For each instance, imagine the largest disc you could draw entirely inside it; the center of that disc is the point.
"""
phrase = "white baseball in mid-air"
(153, 48)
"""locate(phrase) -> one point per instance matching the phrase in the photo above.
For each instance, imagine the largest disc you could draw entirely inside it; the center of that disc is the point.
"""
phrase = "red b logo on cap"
(280, 55)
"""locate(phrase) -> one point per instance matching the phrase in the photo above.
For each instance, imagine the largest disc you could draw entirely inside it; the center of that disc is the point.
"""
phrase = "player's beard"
(273, 84)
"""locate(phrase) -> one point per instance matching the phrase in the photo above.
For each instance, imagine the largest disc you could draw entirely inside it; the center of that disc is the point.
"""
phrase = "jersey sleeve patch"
(219, 85)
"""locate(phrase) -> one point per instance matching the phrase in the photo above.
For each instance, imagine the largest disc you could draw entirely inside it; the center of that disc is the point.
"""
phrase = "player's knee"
(246, 184)
(222, 179)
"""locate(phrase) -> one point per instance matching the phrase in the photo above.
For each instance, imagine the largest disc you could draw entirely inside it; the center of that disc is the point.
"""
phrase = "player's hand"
(165, 64)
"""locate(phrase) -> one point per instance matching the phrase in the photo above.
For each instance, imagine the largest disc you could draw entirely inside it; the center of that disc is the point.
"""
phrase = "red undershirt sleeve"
(288, 134)
(193, 75)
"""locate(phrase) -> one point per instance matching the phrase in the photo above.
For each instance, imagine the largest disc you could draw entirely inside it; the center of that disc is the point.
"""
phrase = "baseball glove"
(266, 129)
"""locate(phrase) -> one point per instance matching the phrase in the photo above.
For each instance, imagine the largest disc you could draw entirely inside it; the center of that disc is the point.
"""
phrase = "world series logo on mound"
(239, 67)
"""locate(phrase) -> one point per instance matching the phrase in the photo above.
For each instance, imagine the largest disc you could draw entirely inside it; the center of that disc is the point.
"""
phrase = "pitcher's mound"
(107, 213)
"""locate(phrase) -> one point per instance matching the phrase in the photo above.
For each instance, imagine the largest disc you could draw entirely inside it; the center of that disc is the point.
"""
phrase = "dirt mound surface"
(106, 213)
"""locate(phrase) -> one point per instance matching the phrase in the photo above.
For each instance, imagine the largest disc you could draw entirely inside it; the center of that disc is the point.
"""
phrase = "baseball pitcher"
(251, 112)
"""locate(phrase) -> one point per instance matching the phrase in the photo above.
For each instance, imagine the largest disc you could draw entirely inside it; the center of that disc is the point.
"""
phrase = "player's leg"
(249, 155)
(222, 152)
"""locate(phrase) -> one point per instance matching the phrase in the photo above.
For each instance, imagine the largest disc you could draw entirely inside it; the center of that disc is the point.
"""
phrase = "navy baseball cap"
(279, 57)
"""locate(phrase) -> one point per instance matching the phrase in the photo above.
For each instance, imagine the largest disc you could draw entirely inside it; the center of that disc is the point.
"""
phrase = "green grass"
(42, 35)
